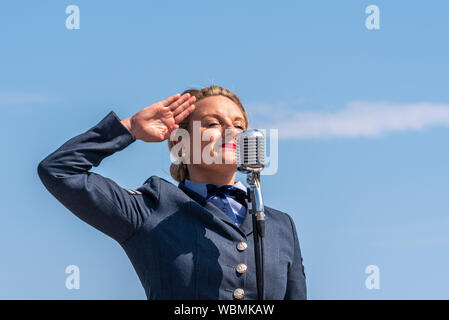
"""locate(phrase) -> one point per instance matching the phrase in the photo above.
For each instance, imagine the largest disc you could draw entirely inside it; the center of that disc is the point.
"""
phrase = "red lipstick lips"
(229, 145)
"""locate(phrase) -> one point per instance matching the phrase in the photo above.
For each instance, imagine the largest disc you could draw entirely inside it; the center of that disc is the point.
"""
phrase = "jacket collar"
(246, 227)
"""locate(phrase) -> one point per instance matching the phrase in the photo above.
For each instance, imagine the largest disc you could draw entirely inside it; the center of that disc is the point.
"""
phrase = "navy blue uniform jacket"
(180, 247)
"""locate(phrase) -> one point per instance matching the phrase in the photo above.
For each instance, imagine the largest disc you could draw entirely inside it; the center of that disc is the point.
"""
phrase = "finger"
(170, 130)
(178, 102)
(184, 114)
(184, 106)
(170, 100)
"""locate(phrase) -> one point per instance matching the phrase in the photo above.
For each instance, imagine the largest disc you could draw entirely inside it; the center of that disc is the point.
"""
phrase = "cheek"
(211, 137)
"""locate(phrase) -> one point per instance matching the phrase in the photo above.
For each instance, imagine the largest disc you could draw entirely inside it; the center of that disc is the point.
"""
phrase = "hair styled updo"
(179, 171)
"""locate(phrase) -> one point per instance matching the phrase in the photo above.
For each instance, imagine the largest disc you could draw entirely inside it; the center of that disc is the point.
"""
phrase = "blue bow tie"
(226, 190)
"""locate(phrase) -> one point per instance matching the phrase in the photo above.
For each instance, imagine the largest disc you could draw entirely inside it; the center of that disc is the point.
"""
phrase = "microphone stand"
(255, 205)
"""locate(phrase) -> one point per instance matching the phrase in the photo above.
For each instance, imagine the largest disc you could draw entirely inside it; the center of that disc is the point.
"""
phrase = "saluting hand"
(156, 122)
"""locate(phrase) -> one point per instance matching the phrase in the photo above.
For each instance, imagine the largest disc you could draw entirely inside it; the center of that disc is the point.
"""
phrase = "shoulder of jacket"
(277, 214)
(284, 218)
(156, 180)
(154, 186)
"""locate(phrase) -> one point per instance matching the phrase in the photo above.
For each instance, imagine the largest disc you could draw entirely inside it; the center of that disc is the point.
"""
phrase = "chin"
(229, 158)
(229, 161)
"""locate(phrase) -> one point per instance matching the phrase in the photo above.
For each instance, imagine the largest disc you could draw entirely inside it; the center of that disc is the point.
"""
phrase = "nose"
(230, 134)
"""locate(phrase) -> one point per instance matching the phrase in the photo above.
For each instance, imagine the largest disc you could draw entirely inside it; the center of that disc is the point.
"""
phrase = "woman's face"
(216, 120)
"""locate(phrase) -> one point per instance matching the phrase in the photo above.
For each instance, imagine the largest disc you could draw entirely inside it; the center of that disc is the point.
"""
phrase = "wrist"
(128, 125)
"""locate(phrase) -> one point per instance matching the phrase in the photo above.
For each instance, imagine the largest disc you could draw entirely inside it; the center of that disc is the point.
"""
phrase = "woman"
(194, 240)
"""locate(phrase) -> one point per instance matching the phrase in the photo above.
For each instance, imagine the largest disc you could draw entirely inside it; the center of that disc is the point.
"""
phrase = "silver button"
(239, 293)
(241, 246)
(241, 268)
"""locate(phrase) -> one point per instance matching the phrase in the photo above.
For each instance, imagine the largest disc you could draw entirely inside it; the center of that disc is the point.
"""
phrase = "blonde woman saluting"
(187, 241)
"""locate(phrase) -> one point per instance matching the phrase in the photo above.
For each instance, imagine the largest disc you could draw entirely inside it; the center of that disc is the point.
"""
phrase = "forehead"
(216, 105)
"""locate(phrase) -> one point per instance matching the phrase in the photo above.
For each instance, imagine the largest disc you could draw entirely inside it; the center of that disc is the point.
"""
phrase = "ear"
(175, 143)
(181, 145)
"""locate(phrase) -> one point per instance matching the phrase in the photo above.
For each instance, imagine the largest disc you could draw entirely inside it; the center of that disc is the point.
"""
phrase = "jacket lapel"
(246, 228)
(247, 224)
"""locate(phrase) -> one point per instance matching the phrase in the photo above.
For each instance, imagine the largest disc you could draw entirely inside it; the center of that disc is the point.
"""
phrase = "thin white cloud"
(10, 98)
(357, 119)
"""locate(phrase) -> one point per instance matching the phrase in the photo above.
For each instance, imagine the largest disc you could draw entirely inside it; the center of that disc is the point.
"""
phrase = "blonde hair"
(179, 171)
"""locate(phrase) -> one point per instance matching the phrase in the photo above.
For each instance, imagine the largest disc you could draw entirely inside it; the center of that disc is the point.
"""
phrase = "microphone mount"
(255, 197)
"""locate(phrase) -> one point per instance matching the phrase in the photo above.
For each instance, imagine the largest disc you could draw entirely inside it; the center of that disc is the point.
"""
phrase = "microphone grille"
(250, 150)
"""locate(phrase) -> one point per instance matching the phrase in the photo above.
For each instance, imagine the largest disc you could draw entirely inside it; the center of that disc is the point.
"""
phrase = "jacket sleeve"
(296, 277)
(97, 200)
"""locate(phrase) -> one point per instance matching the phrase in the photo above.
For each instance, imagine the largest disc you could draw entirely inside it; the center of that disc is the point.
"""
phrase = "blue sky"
(363, 120)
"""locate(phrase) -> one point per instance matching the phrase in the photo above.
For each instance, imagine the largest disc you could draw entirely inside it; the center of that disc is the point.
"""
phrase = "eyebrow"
(215, 115)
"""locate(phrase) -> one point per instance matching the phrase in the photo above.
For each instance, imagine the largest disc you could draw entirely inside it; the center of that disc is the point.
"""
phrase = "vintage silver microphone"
(250, 150)
(251, 160)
